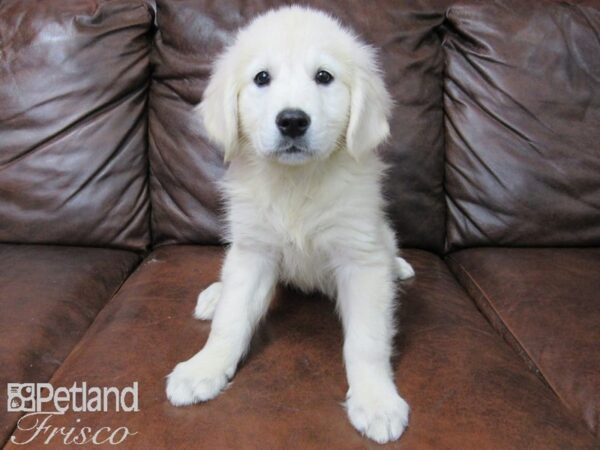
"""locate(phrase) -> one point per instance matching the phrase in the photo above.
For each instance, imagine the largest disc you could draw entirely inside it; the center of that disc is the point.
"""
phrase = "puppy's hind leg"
(404, 270)
(207, 301)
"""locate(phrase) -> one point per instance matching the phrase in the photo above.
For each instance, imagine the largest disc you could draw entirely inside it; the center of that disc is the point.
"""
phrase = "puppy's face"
(294, 106)
(294, 87)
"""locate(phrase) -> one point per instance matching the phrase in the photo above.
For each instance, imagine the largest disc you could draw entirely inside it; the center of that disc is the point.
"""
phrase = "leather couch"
(110, 224)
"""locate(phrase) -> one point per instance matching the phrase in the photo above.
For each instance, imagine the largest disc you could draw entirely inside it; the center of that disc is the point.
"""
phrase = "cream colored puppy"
(299, 106)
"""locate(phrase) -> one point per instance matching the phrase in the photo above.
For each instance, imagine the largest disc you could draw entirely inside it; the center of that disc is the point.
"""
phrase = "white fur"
(207, 301)
(313, 219)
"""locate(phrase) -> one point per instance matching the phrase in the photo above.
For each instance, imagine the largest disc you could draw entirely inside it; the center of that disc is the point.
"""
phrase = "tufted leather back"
(495, 132)
(522, 102)
(74, 77)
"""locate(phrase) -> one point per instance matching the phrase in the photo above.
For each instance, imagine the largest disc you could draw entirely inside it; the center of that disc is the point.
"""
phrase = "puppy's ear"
(370, 106)
(219, 106)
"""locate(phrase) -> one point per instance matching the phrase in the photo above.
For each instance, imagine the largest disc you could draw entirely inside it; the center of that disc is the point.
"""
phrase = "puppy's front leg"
(248, 277)
(366, 303)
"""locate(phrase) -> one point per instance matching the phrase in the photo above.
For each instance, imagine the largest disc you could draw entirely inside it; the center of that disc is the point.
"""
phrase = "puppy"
(298, 105)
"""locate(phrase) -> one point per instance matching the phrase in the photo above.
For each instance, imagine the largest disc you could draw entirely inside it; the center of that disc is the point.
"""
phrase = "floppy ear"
(219, 106)
(370, 106)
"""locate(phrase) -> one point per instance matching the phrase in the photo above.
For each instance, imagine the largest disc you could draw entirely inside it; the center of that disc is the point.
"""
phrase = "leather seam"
(541, 375)
(507, 328)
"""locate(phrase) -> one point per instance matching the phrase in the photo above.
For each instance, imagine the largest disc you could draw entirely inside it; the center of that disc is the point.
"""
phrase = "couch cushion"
(522, 100)
(546, 302)
(48, 298)
(185, 166)
(73, 88)
(467, 388)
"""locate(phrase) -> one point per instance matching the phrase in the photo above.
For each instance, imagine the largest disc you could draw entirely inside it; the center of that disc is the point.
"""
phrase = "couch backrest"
(73, 90)
(185, 166)
(522, 102)
(500, 125)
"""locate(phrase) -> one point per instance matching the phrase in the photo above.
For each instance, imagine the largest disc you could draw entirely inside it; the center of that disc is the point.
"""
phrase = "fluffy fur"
(311, 216)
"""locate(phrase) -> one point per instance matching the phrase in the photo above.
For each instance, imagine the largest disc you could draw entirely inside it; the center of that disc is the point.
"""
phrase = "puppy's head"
(295, 86)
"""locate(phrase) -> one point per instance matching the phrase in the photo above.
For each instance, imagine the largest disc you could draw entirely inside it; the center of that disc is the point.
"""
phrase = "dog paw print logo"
(20, 397)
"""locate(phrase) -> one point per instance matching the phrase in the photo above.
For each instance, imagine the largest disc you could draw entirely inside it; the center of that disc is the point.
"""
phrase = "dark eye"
(262, 78)
(323, 77)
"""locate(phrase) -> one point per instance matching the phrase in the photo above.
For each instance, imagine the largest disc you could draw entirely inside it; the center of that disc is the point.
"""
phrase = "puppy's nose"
(292, 122)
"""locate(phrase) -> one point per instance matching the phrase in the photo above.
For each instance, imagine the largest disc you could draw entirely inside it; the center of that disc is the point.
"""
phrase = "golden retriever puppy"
(298, 105)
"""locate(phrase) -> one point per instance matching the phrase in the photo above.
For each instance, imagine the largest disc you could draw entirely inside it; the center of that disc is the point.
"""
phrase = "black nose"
(292, 122)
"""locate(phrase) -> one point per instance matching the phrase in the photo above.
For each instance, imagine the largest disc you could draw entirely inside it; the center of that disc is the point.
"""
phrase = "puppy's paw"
(207, 301)
(405, 270)
(381, 416)
(195, 381)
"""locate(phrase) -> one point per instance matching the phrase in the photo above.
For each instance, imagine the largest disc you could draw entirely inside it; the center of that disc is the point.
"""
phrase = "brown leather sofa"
(109, 223)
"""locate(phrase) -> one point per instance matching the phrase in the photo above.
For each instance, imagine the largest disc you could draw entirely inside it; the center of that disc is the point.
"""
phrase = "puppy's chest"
(298, 227)
(293, 225)
(298, 222)
(304, 251)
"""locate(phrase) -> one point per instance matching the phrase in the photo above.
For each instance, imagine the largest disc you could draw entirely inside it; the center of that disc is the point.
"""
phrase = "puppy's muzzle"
(292, 122)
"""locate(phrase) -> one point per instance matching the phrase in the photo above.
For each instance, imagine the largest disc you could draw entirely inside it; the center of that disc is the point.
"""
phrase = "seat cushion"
(467, 388)
(546, 302)
(185, 165)
(48, 298)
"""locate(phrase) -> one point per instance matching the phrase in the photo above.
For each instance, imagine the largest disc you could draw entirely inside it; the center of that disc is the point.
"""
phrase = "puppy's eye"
(323, 77)
(262, 78)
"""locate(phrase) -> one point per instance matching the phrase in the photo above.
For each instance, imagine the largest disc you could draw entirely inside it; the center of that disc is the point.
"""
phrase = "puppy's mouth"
(291, 150)
(293, 153)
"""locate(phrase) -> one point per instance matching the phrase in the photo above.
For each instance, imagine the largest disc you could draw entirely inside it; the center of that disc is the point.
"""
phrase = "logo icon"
(21, 397)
